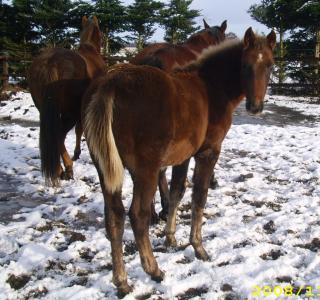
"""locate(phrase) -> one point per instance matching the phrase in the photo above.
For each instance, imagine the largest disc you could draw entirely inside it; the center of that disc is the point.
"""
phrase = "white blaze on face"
(260, 58)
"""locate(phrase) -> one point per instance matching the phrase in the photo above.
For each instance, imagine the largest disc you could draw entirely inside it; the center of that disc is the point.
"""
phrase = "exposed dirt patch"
(313, 246)
(192, 292)
(269, 227)
(272, 255)
(17, 282)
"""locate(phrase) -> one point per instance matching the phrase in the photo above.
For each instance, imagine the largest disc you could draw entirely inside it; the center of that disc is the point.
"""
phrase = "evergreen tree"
(113, 21)
(275, 14)
(178, 20)
(142, 17)
(301, 19)
(81, 8)
(52, 19)
(305, 42)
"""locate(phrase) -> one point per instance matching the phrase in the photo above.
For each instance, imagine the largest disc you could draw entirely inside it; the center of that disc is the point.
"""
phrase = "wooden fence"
(307, 85)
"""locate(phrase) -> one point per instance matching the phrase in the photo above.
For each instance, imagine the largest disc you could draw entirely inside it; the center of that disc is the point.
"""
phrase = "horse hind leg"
(114, 219)
(114, 222)
(77, 149)
(143, 192)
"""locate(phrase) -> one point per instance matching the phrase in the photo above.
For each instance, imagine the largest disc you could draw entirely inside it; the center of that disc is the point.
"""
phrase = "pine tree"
(142, 17)
(52, 18)
(275, 14)
(299, 18)
(178, 20)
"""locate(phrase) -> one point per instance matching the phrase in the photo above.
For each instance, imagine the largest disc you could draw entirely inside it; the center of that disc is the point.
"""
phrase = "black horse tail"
(152, 61)
(50, 139)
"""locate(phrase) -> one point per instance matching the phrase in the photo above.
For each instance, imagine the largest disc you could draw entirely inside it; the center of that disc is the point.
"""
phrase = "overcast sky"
(216, 11)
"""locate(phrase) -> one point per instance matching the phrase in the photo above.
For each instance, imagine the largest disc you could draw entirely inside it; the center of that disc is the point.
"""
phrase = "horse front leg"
(213, 180)
(77, 149)
(177, 189)
(114, 221)
(68, 172)
(164, 194)
(67, 162)
(140, 211)
(203, 170)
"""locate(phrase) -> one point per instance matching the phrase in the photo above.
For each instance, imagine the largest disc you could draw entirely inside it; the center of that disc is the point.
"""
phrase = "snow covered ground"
(261, 225)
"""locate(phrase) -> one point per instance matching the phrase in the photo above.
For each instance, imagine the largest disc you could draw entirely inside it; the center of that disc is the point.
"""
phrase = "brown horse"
(166, 56)
(57, 80)
(144, 119)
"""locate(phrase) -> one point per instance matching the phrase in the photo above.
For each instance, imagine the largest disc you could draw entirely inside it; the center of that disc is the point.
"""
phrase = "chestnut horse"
(166, 56)
(144, 119)
(57, 80)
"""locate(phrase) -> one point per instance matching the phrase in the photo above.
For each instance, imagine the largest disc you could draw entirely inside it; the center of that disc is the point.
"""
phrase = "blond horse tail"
(100, 139)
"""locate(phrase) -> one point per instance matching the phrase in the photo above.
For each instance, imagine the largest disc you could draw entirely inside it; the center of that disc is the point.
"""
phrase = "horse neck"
(94, 61)
(196, 44)
(221, 73)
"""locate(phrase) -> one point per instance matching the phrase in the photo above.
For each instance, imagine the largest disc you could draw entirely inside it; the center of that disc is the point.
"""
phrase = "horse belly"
(180, 150)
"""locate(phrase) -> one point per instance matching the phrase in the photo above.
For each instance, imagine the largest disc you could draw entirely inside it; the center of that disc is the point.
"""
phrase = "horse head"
(214, 34)
(90, 33)
(256, 65)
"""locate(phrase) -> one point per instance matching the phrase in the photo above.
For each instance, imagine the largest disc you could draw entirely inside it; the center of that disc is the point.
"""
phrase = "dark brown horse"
(57, 80)
(144, 119)
(166, 56)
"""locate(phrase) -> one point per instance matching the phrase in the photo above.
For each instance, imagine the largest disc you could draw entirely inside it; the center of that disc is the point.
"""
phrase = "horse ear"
(84, 21)
(272, 39)
(223, 26)
(249, 38)
(95, 20)
(206, 25)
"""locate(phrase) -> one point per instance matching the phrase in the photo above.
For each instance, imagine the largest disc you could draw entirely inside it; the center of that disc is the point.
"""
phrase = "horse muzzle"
(254, 107)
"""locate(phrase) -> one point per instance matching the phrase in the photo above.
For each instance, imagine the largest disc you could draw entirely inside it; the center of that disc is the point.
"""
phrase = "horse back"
(158, 118)
(52, 65)
(165, 56)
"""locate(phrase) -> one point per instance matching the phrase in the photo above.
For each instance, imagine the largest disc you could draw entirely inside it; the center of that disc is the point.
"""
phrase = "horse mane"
(210, 53)
(213, 52)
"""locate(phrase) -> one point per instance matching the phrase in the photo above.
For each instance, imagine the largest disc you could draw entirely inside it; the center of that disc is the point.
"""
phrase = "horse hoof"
(202, 254)
(163, 215)
(188, 183)
(213, 183)
(171, 241)
(76, 155)
(158, 277)
(66, 175)
(124, 289)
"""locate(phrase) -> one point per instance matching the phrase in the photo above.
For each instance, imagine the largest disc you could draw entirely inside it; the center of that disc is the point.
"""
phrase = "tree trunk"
(106, 46)
(281, 56)
(139, 43)
(317, 61)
